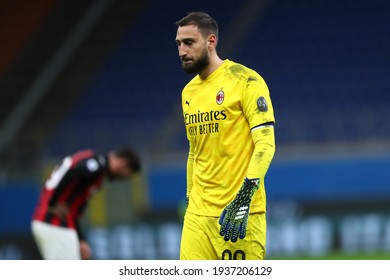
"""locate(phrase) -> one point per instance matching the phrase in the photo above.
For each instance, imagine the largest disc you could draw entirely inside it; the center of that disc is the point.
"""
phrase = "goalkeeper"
(229, 121)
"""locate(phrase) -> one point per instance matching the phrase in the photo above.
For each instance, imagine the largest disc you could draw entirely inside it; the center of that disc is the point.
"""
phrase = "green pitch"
(337, 256)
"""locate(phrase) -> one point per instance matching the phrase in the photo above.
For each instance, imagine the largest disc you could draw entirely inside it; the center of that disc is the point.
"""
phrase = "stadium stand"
(324, 62)
(56, 62)
(135, 96)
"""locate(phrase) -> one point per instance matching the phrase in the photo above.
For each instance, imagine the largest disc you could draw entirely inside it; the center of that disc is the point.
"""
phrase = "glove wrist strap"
(251, 185)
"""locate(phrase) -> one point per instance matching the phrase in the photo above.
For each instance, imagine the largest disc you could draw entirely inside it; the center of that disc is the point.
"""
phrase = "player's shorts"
(56, 243)
(201, 240)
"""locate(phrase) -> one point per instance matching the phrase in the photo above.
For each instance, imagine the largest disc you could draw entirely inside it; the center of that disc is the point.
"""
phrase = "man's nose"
(182, 51)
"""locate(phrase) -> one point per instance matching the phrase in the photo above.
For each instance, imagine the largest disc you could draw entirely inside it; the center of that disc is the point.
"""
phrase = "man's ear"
(211, 42)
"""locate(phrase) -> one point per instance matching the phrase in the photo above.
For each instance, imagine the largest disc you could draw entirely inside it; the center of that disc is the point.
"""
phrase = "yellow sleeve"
(190, 168)
(256, 102)
(264, 142)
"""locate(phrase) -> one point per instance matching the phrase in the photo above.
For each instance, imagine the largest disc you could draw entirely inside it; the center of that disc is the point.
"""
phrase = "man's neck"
(215, 62)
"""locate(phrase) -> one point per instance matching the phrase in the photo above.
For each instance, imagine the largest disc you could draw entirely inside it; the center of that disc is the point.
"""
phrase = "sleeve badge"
(262, 104)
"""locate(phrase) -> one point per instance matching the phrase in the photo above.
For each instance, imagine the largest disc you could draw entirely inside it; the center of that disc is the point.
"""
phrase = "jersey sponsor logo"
(205, 117)
(204, 122)
(200, 129)
(220, 97)
(262, 104)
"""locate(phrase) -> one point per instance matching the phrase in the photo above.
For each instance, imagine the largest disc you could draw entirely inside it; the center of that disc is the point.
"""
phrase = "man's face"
(119, 168)
(192, 49)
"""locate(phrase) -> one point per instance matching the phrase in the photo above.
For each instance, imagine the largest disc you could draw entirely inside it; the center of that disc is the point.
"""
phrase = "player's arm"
(264, 149)
(85, 249)
(234, 218)
(258, 110)
(79, 230)
(190, 168)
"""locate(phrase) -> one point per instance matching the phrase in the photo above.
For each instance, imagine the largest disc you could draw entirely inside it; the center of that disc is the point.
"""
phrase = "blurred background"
(104, 73)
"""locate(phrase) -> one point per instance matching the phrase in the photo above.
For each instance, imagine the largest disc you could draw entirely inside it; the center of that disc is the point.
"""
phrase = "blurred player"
(55, 224)
(229, 122)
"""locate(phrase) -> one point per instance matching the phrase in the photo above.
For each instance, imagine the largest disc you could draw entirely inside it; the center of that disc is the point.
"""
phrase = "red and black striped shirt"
(73, 182)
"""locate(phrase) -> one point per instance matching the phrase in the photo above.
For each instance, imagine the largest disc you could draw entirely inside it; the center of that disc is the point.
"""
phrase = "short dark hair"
(130, 156)
(205, 23)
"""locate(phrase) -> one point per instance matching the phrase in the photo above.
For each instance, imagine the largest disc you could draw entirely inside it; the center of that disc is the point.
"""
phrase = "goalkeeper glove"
(234, 217)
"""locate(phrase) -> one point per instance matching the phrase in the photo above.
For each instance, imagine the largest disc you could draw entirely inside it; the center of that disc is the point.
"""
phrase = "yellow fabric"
(190, 166)
(219, 114)
(264, 142)
(201, 240)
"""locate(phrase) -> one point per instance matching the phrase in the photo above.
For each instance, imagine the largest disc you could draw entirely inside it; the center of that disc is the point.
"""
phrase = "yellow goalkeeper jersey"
(219, 114)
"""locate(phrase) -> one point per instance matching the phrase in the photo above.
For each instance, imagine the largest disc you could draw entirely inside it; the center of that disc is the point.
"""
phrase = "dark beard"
(197, 66)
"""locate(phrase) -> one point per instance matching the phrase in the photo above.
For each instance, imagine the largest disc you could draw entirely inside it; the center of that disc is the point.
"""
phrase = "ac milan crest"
(220, 97)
